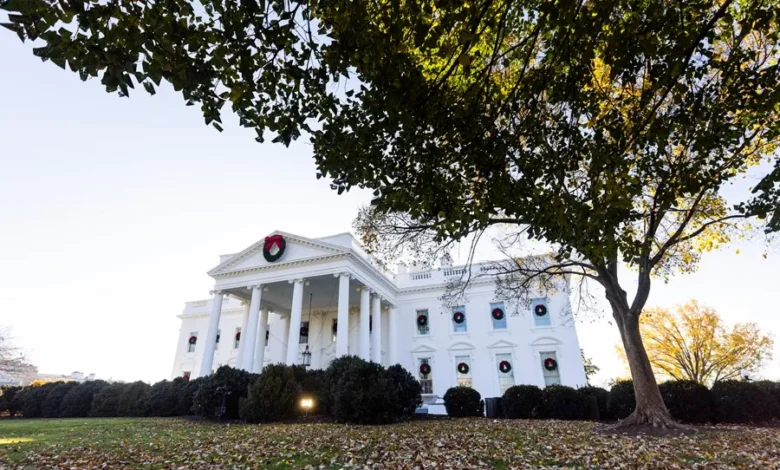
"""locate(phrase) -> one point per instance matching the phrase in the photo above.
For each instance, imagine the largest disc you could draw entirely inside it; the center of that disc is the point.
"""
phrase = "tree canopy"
(607, 127)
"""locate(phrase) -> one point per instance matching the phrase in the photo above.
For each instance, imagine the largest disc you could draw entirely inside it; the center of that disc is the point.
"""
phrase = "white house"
(293, 299)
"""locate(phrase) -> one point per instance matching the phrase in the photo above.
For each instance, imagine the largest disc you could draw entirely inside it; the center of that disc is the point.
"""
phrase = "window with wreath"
(552, 375)
(237, 338)
(216, 343)
(506, 373)
(459, 319)
(423, 323)
(192, 341)
(463, 370)
(304, 336)
(425, 375)
(498, 315)
(186, 375)
(267, 336)
(540, 312)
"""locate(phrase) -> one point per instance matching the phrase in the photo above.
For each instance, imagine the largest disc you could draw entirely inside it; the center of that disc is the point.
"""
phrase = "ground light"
(307, 404)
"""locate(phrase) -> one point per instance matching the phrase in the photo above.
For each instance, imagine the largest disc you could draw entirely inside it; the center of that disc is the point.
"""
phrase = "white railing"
(454, 272)
(418, 276)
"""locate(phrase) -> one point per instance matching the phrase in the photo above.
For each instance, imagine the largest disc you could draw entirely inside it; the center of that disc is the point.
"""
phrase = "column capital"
(255, 286)
(346, 274)
(376, 295)
(299, 280)
(217, 292)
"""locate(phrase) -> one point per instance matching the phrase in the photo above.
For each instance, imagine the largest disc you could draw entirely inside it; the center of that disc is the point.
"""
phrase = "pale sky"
(113, 209)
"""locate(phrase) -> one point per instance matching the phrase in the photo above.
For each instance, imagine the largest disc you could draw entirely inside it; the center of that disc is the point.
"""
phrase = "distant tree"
(13, 361)
(692, 343)
(606, 128)
(591, 369)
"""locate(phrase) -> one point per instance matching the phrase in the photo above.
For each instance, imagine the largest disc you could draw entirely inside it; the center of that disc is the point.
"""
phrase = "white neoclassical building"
(297, 300)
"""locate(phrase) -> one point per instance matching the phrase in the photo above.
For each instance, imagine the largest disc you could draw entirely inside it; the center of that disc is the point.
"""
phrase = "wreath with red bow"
(504, 366)
(550, 364)
(425, 369)
(463, 368)
(238, 335)
(497, 313)
(458, 317)
(271, 242)
(422, 320)
(193, 339)
(335, 327)
(540, 310)
(304, 331)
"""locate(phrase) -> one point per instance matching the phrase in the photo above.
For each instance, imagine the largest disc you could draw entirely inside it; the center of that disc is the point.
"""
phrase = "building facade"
(291, 299)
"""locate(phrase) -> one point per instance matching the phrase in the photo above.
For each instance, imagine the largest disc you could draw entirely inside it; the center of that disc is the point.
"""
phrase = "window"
(422, 319)
(506, 378)
(185, 375)
(334, 328)
(498, 315)
(540, 312)
(191, 341)
(304, 337)
(459, 319)
(426, 380)
(552, 375)
(267, 335)
(216, 343)
(463, 370)
(237, 338)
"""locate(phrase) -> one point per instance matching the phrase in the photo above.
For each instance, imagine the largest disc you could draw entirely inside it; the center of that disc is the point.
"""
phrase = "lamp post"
(745, 375)
(306, 357)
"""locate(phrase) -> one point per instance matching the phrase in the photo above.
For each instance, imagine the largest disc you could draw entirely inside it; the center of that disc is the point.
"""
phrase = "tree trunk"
(650, 408)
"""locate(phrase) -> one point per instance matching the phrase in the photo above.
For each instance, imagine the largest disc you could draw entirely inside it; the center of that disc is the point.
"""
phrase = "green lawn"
(467, 443)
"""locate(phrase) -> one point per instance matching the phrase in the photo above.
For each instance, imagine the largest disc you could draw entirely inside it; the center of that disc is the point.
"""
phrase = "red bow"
(273, 240)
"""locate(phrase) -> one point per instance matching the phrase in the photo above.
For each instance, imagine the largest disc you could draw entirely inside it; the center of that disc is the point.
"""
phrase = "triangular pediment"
(462, 346)
(546, 341)
(502, 344)
(423, 348)
(297, 248)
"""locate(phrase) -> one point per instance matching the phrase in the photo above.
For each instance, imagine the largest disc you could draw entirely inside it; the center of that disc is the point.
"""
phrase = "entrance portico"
(325, 296)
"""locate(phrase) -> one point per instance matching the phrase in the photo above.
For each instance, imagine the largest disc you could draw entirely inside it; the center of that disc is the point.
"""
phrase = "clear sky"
(113, 209)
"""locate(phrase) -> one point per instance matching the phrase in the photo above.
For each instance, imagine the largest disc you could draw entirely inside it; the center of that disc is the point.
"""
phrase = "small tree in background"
(591, 369)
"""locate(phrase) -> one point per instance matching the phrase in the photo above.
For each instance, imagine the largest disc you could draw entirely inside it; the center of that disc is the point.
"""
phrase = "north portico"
(297, 300)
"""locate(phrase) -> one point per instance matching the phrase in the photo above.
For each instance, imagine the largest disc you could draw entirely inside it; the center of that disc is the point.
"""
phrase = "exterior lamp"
(306, 359)
(307, 404)
(745, 375)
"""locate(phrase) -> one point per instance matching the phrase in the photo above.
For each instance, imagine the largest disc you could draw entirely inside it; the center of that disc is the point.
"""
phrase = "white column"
(251, 328)
(342, 333)
(392, 335)
(257, 365)
(376, 335)
(242, 340)
(207, 360)
(365, 314)
(295, 322)
(285, 324)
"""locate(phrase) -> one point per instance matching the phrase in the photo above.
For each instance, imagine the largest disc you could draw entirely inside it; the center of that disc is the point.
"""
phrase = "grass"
(159, 443)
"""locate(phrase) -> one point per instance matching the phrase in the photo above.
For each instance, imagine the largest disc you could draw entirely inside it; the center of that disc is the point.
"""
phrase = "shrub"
(687, 401)
(32, 398)
(273, 396)
(364, 392)
(772, 388)
(228, 383)
(162, 399)
(406, 388)
(78, 401)
(621, 399)
(132, 399)
(7, 402)
(522, 402)
(742, 402)
(105, 401)
(562, 402)
(313, 386)
(601, 398)
(50, 408)
(462, 401)
(186, 394)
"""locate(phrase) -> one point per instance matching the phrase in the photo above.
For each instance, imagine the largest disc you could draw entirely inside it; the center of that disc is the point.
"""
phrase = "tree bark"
(650, 408)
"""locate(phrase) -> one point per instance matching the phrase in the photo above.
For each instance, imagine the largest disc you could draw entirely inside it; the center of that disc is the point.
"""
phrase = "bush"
(406, 388)
(273, 396)
(687, 401)
(162, 399)
(78, 402)
(313, 386)
(32, 398)
(228, 383)
(601, 398)
(742, 402)
(522, 402)
(772, 388)
(187, 390)
(106, 401)
(132, 399)
(562, 402)
(462, 401)
(50, 408)
(621, 399)
(364, 392)
(7, 402)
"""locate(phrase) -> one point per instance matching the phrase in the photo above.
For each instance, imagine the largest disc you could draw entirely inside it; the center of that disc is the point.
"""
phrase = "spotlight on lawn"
(307, 404)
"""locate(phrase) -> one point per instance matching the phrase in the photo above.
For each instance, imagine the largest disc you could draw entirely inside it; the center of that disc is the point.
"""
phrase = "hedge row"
(727, 402)
(351, 390)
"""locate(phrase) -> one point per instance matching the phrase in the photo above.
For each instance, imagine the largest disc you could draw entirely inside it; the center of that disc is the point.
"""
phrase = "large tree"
(13, 361)
(692, 343)
(604, 127)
